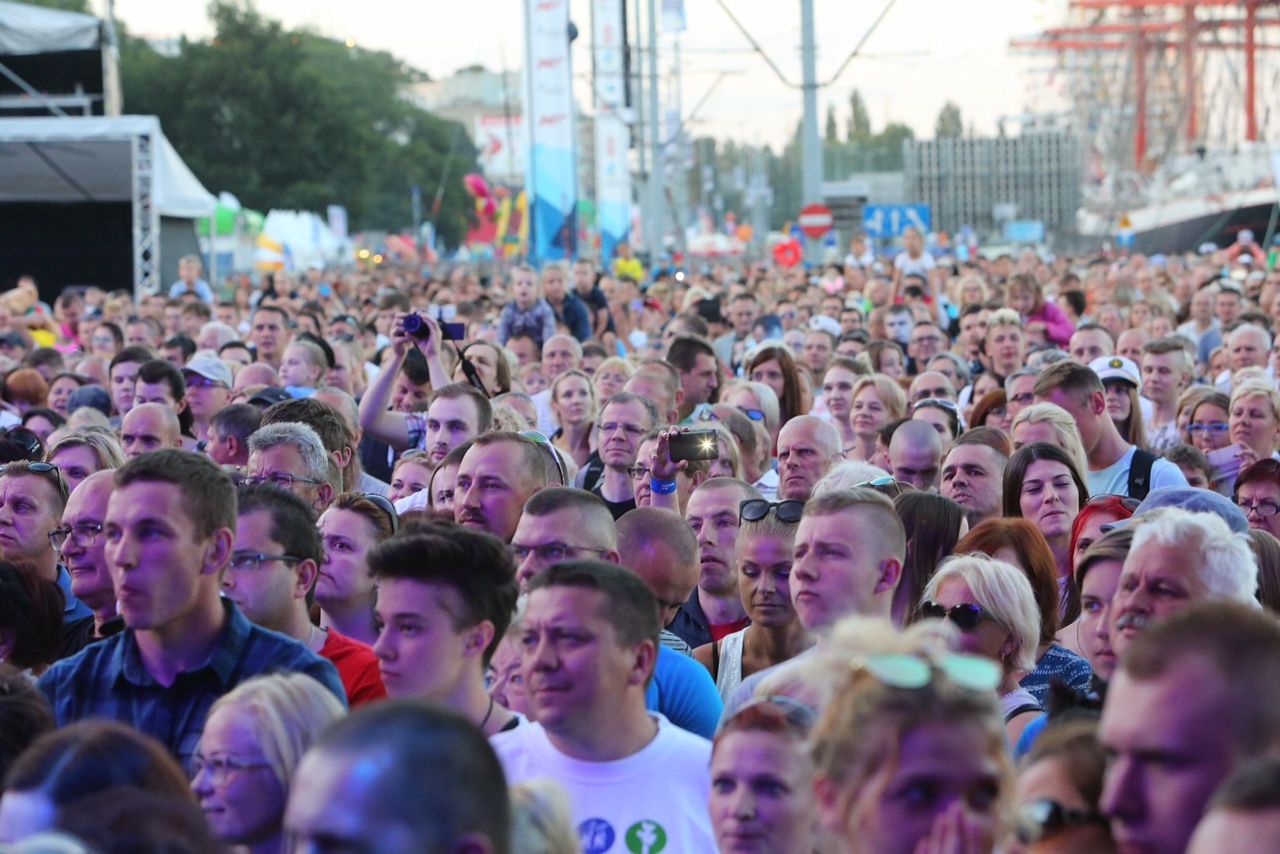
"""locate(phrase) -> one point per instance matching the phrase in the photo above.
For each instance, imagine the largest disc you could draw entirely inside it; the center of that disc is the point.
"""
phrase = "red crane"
(1144, 35)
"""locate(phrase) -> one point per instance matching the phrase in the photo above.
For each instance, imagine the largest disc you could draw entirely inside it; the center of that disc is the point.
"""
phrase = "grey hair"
(300, 436)
(1227, 564)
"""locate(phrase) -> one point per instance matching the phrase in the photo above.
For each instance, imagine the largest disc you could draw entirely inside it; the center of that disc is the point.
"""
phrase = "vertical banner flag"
(550, 177)
(613, 176)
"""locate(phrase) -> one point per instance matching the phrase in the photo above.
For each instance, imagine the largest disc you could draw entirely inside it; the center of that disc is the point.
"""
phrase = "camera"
(415, 326)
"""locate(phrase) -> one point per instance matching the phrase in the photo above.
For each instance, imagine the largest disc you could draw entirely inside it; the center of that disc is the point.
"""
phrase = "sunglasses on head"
(800, 716)
(384, 504)
(1044, 818)
(755, 509)
(543, 442)
(913, 671)
(966, 616)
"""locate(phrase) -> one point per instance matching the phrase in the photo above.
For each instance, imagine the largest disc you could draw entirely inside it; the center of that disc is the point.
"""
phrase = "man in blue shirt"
(169, 533)
(189, 281)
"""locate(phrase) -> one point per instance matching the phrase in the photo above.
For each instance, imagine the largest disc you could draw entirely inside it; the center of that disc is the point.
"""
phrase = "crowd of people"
(912, 555)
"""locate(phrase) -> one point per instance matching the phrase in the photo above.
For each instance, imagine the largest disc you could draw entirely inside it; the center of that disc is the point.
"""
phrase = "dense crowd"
(900, 554)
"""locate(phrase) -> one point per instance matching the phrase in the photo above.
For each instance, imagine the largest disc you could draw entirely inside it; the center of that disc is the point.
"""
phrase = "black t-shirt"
(617, 508)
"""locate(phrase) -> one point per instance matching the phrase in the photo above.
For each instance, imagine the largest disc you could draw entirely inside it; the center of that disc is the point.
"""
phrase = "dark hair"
(993, 438)
(932, 525)
(684, 352)
(45, 357)
(469, 792)
(1262, 471)
(415, 368)
(235, 345)
(484, 409)
(127, 819)
(986, 405)
(208, 496)
(198, 308)
(54, 418)
(1016, 471)
(1076, 300)
(241, 420)
(24, 715)
(293, 523)
(629, 605)
(478, 566)
(114, 330)
(544, 502)
(1034, 559)
(792, 400)
(129, 355)
(1254, 786)
(357, 503)
(92, 755)
(1266, 550)
(1190, 456)
(160, 371)
(184, 343)
(31, 608)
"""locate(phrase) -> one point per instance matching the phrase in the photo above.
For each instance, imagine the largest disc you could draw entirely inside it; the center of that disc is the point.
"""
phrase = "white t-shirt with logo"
(652, 801)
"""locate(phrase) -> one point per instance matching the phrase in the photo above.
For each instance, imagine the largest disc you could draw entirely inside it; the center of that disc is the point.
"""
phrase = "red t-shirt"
(357, 668)
(720, 630)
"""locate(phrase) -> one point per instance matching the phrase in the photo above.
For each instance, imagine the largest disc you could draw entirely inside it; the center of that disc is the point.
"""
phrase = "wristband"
(661, 487)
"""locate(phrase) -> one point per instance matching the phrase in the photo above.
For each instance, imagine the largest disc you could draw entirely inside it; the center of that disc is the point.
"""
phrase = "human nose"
(383, 647)
(541, 657)
(202, 782)
(527, 569)
(742, 803)
(1121, 798)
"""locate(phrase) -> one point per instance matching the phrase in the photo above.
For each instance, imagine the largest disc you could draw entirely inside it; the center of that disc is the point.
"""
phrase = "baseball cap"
(1195, 501)
(1117, 368)
(211, 368)
(270, 396)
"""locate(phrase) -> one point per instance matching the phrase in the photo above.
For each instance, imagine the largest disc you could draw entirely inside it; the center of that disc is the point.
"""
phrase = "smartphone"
(695, 445)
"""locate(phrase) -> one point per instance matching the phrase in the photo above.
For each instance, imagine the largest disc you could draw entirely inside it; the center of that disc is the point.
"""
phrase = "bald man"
(659, 546)
(651, 384)
(807, 449)
(932, 385)
(82, 520)
(257, 373)
(149, 427)
(915, 454)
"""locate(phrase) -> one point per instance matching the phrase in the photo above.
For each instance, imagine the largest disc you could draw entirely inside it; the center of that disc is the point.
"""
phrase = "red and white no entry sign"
(815, 220)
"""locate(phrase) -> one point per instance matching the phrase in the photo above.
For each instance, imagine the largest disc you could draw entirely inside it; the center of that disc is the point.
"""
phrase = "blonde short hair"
(1004, 592)
(1258, 388)
(889, 392)
(1064, 427)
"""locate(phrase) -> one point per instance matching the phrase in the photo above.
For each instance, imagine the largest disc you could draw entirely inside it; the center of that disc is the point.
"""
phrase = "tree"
(287, 119)
(832, 133)
(949, 124)
(858, 127)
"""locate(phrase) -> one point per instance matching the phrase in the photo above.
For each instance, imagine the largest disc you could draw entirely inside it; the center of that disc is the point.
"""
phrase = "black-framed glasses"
(637, 472)
(282, 479)
(220, 766)
(83, 535)
(940, 402)
(550, 553)
(966, 615)
(384, 504)
(1043, 818)
(755, 509)
(543, 442)
(253, 561)
(1265, 509)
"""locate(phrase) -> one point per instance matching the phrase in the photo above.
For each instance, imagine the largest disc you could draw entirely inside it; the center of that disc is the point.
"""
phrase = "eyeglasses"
(614, 426)
(753, 414)
(543, 442)
(1265, 509)
(253, 561)
(940, 402)
(637, 472)
(908, 671)
(550, 552)
(755, 509)
(83, 535)
(1023, 399)
(220, 767)
(282, 479)
(1217, 428)
(384, 504)
(1043, 818)
(966, 615)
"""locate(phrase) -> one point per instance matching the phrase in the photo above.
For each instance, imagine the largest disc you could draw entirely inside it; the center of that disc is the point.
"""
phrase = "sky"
(925, 52)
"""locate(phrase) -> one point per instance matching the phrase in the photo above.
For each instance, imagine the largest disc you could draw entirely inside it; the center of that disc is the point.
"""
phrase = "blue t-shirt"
(682, 690)
(1114, 479)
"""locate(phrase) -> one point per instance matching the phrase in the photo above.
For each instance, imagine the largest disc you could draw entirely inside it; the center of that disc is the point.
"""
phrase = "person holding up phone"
(670, 464)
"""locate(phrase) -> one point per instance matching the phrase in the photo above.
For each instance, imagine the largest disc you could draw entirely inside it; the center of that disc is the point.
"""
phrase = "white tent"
(76, 44)
(103, 159)
(26, 29)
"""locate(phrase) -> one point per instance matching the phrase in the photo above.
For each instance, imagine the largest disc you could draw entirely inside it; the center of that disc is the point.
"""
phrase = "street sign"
(815, 220)
(892, 220)
(1024, 231)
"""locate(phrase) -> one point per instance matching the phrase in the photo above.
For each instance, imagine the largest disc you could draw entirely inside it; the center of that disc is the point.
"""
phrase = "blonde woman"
(1253, 426)
(1050, 423)
(83, 452)
(610, 376)
(253, 739)
(877, 400)
(573, 403)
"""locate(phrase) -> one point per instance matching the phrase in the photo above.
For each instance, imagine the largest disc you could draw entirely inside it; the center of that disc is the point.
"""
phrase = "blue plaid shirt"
(108, 680)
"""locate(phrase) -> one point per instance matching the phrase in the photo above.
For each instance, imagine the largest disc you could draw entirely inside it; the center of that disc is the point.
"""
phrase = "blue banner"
(613, 137)
(551, 176)
(892, 220)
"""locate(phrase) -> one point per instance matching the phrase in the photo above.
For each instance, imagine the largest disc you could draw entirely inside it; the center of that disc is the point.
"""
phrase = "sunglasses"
(543, 442)
(755, 509)
(384, 504)
(753, 414)
(1043, 818)
(966, 616)
(1130, 504)
(909, 671)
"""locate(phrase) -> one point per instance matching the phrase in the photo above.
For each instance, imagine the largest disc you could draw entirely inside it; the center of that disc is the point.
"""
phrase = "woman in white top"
(766, 536)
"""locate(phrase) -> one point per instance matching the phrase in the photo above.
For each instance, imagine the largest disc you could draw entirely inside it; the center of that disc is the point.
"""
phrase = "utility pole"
(654, 220)
(810, 143)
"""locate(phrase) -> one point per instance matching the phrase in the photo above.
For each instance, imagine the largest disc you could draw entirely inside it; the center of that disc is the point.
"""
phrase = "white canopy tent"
(26, 29)
(30, 31)
(104, 159)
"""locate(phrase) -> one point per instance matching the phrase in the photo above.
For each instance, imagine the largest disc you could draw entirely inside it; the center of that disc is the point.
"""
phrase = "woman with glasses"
(350, 528)
(1018, 543)
(877, 401)
(1058, 791)
(1207, 429)
(766, 536)
(837, 395)
(910, 751)
(1257, 493)
(1043, 484)
(573, 403)
(762, 797)
(993, 605)
(253, 739)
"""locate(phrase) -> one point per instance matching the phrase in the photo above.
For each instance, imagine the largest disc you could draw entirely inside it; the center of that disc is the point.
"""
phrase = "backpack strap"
(1140, 473)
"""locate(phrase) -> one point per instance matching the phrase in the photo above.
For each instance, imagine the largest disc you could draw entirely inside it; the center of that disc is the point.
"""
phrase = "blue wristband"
(661, 487)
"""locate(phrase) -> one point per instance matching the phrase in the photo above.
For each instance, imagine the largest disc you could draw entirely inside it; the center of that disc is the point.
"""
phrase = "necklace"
(487, 714)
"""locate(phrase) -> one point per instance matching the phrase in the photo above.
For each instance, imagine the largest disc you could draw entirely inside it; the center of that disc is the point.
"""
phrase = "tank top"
(729, 669)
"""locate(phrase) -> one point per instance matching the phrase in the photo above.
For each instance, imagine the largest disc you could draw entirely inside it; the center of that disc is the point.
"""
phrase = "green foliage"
(949, 124)
(64, 5)
(831, 134)
(288, 119)
(858, 128)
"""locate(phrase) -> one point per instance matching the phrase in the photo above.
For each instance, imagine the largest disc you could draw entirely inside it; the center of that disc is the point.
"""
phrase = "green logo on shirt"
(645, 837)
